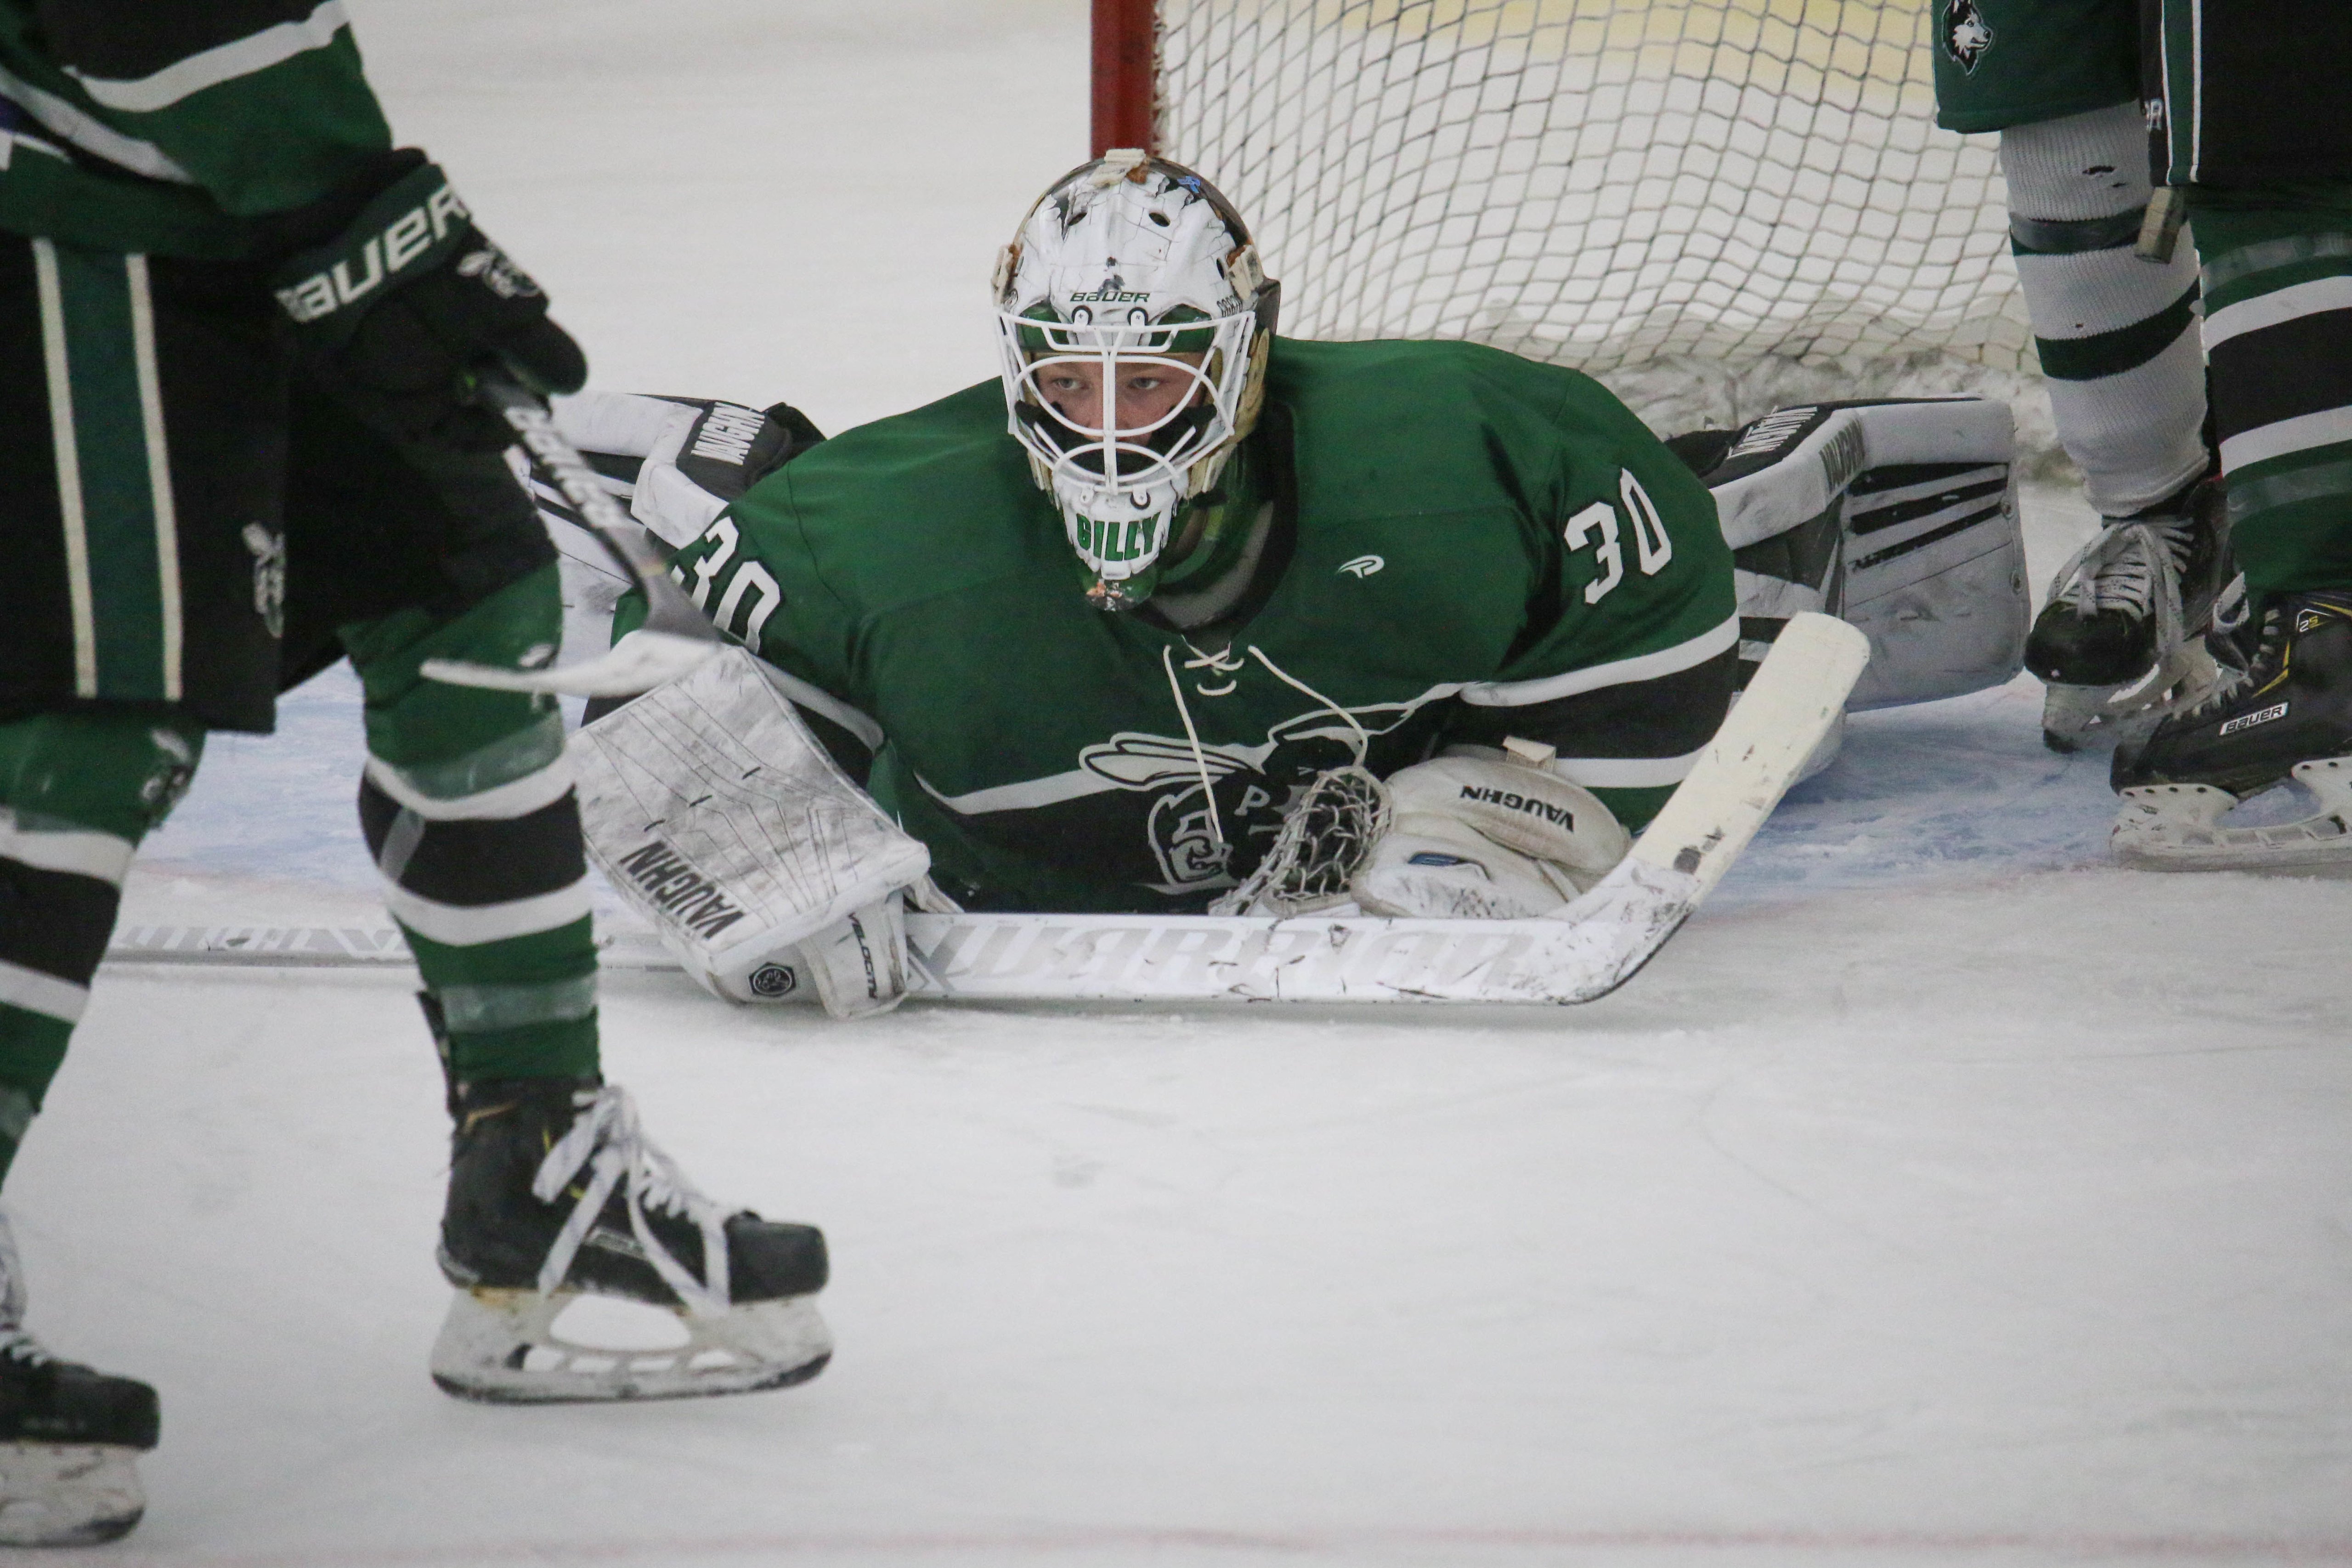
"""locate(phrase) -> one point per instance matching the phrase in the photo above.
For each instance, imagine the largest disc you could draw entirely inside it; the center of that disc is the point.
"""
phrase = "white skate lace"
(17, 1345)
(605, 1138)
(2127, 567)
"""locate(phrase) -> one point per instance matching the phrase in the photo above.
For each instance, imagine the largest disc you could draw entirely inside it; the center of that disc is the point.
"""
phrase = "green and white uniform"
(192, 522)
(1459, 546)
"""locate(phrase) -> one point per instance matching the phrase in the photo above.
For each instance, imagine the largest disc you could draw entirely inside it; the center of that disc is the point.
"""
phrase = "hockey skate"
(68, 1436)
(2117, 645)
(553, 1193)
(2286, 716)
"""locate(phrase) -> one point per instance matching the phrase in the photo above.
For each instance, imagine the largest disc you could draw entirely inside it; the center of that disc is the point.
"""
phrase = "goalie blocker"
(718, 818)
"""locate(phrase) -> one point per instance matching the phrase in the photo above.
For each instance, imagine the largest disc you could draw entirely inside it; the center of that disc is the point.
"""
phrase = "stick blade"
(640, 662)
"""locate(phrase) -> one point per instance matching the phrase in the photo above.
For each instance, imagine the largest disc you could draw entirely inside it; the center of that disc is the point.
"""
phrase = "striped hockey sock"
(2127, 382)
(467, 805)
(2278, 328)
(483, 868)
(78, 791)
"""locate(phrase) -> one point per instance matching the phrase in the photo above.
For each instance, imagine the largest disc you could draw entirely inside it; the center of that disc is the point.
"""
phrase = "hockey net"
(1715, 207)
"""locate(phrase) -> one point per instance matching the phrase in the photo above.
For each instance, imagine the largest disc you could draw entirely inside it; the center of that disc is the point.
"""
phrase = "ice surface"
(1942, 1195)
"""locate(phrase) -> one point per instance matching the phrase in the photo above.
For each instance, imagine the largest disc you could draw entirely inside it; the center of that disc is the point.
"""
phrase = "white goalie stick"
(674, 637)
(1583, 952)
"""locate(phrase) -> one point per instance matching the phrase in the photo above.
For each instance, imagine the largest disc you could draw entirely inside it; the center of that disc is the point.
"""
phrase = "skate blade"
(500, 1347)
(2074, 717)
(2184, 828)
(67, 1494)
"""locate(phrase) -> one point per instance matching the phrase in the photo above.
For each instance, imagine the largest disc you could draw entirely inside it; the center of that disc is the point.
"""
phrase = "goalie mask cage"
(1605, 184)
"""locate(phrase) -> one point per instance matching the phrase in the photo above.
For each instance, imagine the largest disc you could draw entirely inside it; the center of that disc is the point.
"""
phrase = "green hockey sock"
(2278, 271)
(468, 808)
(78, 792)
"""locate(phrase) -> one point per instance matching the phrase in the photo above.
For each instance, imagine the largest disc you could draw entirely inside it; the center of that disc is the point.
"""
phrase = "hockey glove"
(1475, 838)
(397, 311)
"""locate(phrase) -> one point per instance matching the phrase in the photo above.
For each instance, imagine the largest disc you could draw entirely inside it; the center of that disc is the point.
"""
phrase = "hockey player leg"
(2115, 641)
(77, 793)
(2282, 709)
(470, 809)
(70, 1436)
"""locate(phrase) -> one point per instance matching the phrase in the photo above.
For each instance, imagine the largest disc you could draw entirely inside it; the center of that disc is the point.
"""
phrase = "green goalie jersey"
(1464, 547)
(170, 127)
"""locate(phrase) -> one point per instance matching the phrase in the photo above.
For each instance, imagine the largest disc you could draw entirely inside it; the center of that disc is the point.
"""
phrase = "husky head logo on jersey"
(1965, 36)
(1134, 324)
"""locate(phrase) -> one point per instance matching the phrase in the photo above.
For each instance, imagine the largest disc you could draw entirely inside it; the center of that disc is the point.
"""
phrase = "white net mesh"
(1609, 184)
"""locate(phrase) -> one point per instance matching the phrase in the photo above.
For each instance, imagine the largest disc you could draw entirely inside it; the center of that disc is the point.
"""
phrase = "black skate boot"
(2116, 644)
(68, 1436)
(2286, 714)
(552, 1192)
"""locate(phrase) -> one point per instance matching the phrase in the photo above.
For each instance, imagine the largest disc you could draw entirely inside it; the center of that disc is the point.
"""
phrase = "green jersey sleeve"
(751, 573)
(214, 114)
(1625, 658)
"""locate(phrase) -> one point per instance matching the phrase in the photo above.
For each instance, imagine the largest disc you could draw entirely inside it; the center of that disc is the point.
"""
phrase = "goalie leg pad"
(1898, 516)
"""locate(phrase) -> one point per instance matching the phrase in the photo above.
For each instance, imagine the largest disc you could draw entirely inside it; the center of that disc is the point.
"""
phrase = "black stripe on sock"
(469, 863)
(2112, 354)
(55, 921)
(2074, 237)
(2297, 367)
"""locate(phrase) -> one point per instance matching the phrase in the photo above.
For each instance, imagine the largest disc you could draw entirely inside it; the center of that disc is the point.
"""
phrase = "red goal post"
(1126, 60)
(1749, 193)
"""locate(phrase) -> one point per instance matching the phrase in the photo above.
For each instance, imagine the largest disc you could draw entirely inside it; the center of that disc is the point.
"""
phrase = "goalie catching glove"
(1488, 838)
(722, 820)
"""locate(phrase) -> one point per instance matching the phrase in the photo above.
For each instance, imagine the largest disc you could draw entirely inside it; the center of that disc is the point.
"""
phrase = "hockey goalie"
(1446, 626)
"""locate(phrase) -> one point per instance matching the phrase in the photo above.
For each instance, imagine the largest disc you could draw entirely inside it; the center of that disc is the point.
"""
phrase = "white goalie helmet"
(1130, 269)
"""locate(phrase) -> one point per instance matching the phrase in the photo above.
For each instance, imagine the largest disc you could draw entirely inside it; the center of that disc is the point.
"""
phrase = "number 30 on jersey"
(1597, 528)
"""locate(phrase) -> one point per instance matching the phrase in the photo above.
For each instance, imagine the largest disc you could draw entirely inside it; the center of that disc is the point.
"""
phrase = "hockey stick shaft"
(1581, 953)
(673, 638)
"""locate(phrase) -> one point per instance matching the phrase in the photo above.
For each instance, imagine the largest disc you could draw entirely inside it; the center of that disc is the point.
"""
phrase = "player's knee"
(117, 770)
(416, 721)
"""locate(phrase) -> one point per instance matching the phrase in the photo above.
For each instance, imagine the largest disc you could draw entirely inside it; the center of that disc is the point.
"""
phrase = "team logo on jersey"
(269, 576)
(1362, 566)
(1966, 38)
